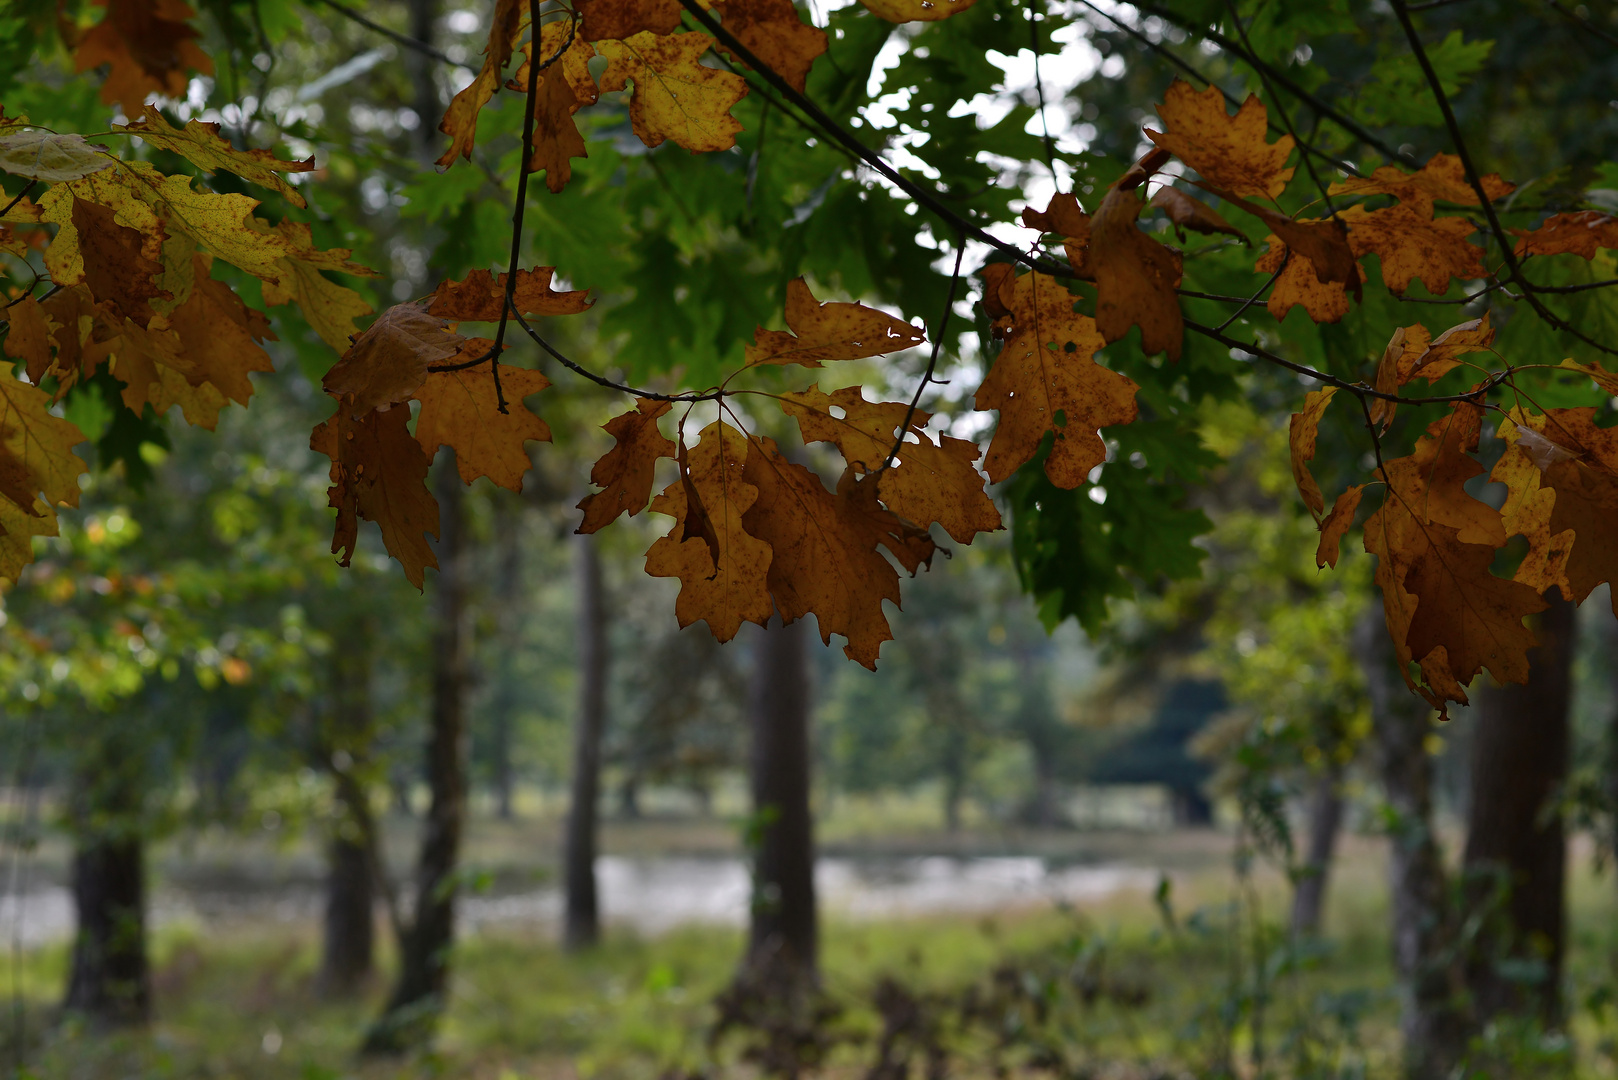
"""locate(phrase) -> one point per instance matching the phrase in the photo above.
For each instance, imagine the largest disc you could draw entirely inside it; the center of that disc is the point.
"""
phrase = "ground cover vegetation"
(1071, 313)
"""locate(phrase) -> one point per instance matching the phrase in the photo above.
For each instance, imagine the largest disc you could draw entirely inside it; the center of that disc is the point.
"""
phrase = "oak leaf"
(49, 157)
(1335, 524)
(826, 549)
(481, 297)
(388, 362)
(1299, 284)
(148, 47)
(1228, 151)
(219, 337)
(1528, 506)
(1412, 246)
(116, 267)
(928, 481)
(1603, 378)
(1579, 233)
(459, 410)
(625, 472)
(29, 337)
(379, 473)
(723, 569)
(564, 88)
(1302, 433)
(675, 96)
(1442, 178)
(38, 472)
(1136, 278)
(772, 31)
(829, 331)
(1184, 212)
(1067, 219)
(201, 144)
(1046, 380)
(329, 308)
(1432, 479)
(903, 11)
(602, 20)
(460, 121)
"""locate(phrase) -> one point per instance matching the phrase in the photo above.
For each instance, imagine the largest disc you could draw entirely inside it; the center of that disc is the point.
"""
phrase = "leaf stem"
(932, 361)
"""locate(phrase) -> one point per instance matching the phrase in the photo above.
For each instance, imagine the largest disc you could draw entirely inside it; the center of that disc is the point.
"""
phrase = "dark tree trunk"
(348, 950)
(1516, 849)
(109, 982)
(629, 797)
(954, 767)
(1325, 821)
(582, 926)
(509, 614)
(1433, 1026)
(783, 945)
(348, 947)
(418, 997)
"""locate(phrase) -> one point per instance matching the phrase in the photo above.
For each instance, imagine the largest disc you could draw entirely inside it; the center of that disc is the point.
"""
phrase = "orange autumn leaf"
(379, 473)
(826, 557)
(1442, 355)
(1300, 285)
(1413, 246)
(676, 97)
(1230, 152)
(1335, 524)
(928, 481)
(829, 331)
(118, 266)
(29, 337)
(1578, 234)
(1302, 433)
(602, 20)
(39, 468)
(1135, 276)
(1067, 219)
(903, 11)
(482, 296)
(460, 409)
(1443, 178)
(722, 568)
(389, 361)
(1046, 380)
(624, 473)
(460, 121)
(772, 31)
(562, 89)
(220, 335)
(1184, 212)
(147, 45)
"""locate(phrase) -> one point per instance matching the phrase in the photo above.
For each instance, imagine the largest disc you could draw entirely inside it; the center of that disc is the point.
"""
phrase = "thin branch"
(932, 361)
(1262, 289)
(21, 195)
(601, 380)
(1039, 88)
(403, 39)
(1586, 24)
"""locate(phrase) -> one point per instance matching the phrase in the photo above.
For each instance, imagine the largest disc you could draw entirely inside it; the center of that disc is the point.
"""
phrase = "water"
(650, 895)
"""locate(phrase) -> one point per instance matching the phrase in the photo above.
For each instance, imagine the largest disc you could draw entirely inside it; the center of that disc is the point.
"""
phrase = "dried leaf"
(1578, 233)
(116, 266)
(903, 11)
(29, 336)
(460, 121)
(52, 158)
(729, 589)
(148, 48)
(625, 472)
(1136, 278)
(481, 297)
(329, 308)
(826, 558)
(388, 363)
(1300, 284)
(1335, 524)
(1229, 152)
(830, 331)
(201, 144)
(675, 96)
(773, 32)
(1046, 380)
(1382, 410)
(1068, 220)
(1412, 246)
(379, 473)
(1603, 378)
(459, 410)
(1194, 214)
(219, 337)
(562, 90)
(1442, 178)
(603, 20)
(1442, 356)
(1301, 437)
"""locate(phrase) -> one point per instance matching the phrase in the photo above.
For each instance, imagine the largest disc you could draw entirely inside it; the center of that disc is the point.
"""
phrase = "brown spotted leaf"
(676, 97)
(147, 45)
(201, 144)
(625, 472)
(1578, 234)
(902, 11)
(603, 20)
(1443, 355)
(118, 266)
(1412, 246)
(379, 473)
(830, 331)
(481, 296)
(1067, 219)
(564, 88)
(459, 409)
(1300, 285)
(1302, 433)
(1230, 152)
(460, 121)
(1443, 179)
(388, 362)
(773, 31)
(1136, 278)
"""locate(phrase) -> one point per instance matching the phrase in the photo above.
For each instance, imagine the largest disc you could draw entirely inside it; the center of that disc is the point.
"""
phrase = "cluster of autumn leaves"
(756, 532)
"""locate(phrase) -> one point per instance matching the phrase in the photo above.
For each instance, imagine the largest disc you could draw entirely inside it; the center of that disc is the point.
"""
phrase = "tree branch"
(403, 39)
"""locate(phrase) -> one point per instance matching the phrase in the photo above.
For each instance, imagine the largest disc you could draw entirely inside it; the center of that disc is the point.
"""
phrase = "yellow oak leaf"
(201, 144)
(830, 331)
(1136, 278)
(1067, 219)
(482, 296)
(1046, 380)
(1442, 354)
(826, 549)
(1335, 524)
(459, 409)
(772, 31)
(903, 11)
(329, 308)
(1302, 434)
(1300, 285)
(723, 569)
(675, 96)
(1412, 246)
(379, 473)
(41, 443)
(1579, 233)
(388, 362)
(625, 472)
(147, 46)
(29, 336)
(460, 121)
(219, 337)
(1228, 151)
(1442, 178)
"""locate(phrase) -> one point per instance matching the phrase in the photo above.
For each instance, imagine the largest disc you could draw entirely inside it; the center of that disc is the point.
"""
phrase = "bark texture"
(418, 996)
(1432, 1020)
(348, 944)
(582, 924)
(1325, 822)
(109, 982)
(1516, 849)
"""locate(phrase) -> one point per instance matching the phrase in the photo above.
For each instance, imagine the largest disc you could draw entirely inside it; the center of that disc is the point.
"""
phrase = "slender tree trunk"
(1516, 849)
(1325, 822)
(509, 615)
(1432, 1023)
(348, 950)
(109, 982)
(348, 947)
(783, 945)
(954, 768)
(582, 926)
(419, 996)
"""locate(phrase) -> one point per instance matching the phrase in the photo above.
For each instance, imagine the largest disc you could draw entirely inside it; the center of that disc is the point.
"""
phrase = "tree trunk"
(783, 945)
(1516, 850)
(348, 950)
(110, 982)
(418, 997)
(1325, 821)
(954, 767)
(348, 947)
(509, 615)
(582, 927)
(1431, 1022)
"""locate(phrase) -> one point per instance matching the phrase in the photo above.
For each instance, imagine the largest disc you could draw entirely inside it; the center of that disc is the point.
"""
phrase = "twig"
(1039, 88)
(1262, 289)
(403, 39)
(1575, 17)
(932, 361)
(602, 380)
(21, 195)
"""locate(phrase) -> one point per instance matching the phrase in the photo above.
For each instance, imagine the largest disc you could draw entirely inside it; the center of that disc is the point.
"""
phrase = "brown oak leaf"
(602, 20)
(1442, 178)
(1184, 213)
(1302, 432)
(676, 97)
(1413, 246)
(1136, 278)
(460, 121)
(564, 88)
(147, 45)
(379, 473)
(482, 296)
(459, 409)
(118, 266)
(829, 331)
(1228, 151)
(1067, 219)
(1299, 284)
(772, 31)
(903, 11)
(219, 336)
(625, 472)
(1046, 380)
(388, 362)
(1442, 355)
(1335, 524)
(1579, 233)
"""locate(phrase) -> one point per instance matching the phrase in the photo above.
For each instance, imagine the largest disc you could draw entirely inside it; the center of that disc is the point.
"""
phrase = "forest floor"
(1131, 983)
